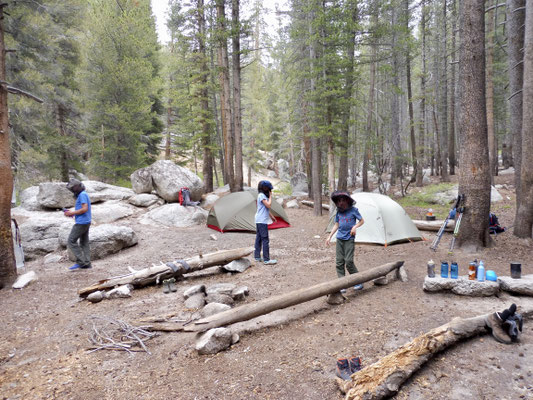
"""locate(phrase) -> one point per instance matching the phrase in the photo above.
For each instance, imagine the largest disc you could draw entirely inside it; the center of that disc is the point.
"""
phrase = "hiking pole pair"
(436, 241)
(456, 230)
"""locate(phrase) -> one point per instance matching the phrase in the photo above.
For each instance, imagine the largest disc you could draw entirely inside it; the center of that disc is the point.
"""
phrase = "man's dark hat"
(337, 195)
(75, 185)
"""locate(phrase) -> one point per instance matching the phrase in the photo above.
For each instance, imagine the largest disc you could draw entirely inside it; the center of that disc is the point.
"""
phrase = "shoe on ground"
(86, 266)
(343, 369)
(259, 259)
(75, 266)
(271, 262)
(355, 364)
(343, 291)
(359, 287)
(494, 323)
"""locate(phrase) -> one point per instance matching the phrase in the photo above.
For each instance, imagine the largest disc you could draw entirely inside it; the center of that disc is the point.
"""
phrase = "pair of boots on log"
(505, 326)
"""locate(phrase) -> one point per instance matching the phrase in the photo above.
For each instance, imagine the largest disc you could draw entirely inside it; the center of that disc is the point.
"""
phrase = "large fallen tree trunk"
(384, 378)
(265, 306)
(433, 225)
(151, 275)
(312, 204)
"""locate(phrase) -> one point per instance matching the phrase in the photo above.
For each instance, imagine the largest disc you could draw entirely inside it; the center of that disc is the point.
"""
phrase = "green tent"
(236, 212)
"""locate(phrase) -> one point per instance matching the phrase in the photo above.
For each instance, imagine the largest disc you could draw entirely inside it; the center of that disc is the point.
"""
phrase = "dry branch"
(384, 378)
(151, 275)
(312, 204)
(265, 306)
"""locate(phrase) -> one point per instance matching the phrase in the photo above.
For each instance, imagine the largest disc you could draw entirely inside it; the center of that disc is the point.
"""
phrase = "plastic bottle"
(472, 271)
(454, 270)
(444, 269)
(431, 269)
(481, 272)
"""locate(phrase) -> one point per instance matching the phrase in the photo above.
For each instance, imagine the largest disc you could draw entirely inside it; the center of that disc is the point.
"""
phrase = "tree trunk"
(396, 172)
(61, 131)
(237, 114)
(515, 39)
(151, 275)
(493, 156)
(225, 95)
(207, 168)
(384, 378)
(8, 271)
(474, 176)
(451, 139)
(524, 214)
(444, 176)
(422, 133)
(167, 136)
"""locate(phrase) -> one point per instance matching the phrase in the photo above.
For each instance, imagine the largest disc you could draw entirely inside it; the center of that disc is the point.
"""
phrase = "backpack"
(494, 224)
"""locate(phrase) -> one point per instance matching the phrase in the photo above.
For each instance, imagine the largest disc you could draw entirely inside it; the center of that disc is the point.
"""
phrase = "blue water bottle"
(454, 270)
(444, 269)
(481, 272)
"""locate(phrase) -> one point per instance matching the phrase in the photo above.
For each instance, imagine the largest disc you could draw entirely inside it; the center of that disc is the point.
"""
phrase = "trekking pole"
(437, 239)
(456, 230)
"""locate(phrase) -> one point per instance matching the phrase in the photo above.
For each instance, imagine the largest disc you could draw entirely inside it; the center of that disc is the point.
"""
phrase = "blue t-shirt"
(347, 220)
(262, 215)
(85, 218)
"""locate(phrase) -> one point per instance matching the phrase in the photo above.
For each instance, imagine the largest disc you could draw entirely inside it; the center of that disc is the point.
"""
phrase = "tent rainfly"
(236, 212)
(386, 222)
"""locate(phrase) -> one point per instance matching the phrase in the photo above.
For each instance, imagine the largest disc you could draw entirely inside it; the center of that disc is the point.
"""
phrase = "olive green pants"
(344, 257)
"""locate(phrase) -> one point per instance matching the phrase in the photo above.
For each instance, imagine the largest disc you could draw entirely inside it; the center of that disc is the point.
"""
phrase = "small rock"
(401, 274)
(384, 280)
(235, 338)
(292, 204)
(95, 297)
(51, 258)
(240, 265)
(24, 280)
(214, 341)
(213, 237)
(222, 288)
(195, 302)
(335, 298)
(213, 308)
(120, 292)
(240, 293)
(194, 290)
(219, 298)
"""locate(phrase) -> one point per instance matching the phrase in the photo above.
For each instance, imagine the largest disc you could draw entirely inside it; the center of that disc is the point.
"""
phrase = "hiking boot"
(75, 266)
(358, 287)
(343, 369)
(511, 327)
(355, 364)
(271, 262)
(86, 266)
(494, 323)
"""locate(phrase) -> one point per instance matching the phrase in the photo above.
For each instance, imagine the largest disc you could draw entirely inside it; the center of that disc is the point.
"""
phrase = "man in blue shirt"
(347, 220)
(80, 230)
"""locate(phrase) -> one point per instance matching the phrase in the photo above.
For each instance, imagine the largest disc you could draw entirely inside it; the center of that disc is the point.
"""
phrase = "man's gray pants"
(81, 251)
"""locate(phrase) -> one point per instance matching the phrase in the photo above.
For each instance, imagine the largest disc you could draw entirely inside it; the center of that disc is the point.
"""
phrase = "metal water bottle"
(431, 269)
(444, 269)
(454, 270)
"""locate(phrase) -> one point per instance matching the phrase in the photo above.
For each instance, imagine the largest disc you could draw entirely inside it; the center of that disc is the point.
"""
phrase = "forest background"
(342, 88)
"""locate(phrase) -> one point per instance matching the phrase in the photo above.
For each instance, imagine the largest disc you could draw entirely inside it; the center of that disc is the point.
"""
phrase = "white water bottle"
(481, 272)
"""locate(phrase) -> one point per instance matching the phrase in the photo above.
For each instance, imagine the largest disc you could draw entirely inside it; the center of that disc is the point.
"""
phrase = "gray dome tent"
(386, 222)
(236, 212)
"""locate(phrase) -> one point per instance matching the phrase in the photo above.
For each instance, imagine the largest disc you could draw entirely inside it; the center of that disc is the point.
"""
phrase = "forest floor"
(292, 354)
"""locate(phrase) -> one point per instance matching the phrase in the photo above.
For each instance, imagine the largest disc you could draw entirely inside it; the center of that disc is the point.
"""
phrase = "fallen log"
(151, 275)
(433, 225)
(384, 378)
(312, 204)
(265, 306)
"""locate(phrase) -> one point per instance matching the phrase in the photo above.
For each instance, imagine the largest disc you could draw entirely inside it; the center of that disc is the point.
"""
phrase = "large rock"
(283, 169)
(28, 199)
(99, 191)
(221, 288)
(39, 235)
(240, 265)
(299, 182)
(175, 215)
(168, 178)
(461, 286)
(141, 181)
(110, 211)
(144, 200)
(104, 239)
(213, 308)
(55, 195)
(445, 198)
(522, 286)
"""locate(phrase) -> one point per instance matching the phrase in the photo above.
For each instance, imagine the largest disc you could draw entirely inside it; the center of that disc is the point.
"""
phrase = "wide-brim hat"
(267, 184)
(337, 195)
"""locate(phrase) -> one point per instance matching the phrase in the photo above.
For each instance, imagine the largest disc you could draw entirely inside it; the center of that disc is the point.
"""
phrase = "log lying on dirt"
(151, 275)
(434, 225)
(265, 306)
(312, 204)
(384, 378)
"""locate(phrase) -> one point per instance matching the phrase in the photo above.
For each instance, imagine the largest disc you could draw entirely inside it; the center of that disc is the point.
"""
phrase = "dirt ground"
(289, 354)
